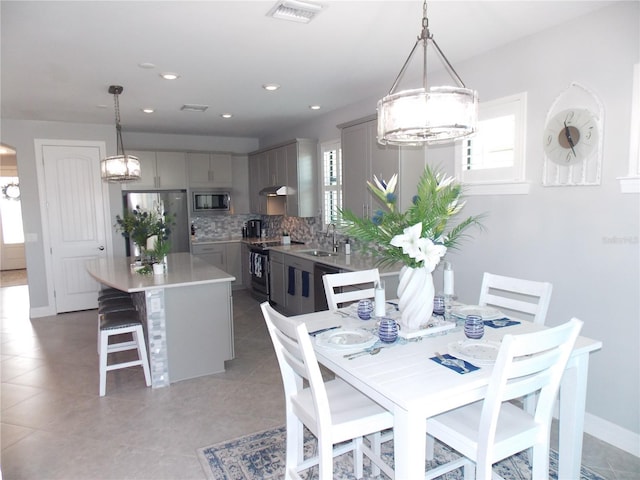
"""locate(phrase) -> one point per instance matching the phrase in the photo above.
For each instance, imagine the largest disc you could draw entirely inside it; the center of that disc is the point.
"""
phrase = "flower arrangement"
(141, 224)
(420, 236)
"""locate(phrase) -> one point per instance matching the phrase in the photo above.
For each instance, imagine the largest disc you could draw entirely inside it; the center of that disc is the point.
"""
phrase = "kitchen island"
(187, 314)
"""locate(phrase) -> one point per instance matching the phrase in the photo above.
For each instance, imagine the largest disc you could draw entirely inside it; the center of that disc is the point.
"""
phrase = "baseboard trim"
(41, 312)
(612, 434)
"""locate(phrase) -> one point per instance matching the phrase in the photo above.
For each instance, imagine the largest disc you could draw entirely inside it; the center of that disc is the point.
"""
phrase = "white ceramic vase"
(415, 295)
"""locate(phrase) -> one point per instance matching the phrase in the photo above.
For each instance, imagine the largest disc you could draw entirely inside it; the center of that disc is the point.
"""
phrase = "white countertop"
(183, 269)
(351, 262)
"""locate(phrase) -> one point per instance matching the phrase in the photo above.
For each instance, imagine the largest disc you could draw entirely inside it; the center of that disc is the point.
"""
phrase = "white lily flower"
(431, 253)
(409, 240)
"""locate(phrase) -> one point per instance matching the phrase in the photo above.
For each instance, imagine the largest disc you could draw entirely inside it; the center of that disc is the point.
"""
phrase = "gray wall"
(560, 234)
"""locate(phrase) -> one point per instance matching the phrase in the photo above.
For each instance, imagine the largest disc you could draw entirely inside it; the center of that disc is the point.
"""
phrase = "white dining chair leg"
(358, 457)
(325, 464)
(431, 445)
(376, 447)
(540, 463)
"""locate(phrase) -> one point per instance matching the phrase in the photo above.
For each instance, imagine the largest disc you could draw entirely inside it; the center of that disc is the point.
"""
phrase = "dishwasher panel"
(320, 298)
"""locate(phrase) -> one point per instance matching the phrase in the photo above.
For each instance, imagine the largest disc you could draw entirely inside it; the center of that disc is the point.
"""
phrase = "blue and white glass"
(388, 330)
(474, 327)
(438, 306)
(365, 307)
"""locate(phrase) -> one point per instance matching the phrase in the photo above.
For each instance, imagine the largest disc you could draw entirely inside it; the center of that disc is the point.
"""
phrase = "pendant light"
(427, 115)
(121, 167)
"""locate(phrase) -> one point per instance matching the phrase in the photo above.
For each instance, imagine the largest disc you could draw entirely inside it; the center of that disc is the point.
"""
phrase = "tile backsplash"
(229, 227)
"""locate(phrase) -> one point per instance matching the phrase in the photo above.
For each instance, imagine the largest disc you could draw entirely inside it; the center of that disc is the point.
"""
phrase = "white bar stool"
(111, 305)
(117, 323)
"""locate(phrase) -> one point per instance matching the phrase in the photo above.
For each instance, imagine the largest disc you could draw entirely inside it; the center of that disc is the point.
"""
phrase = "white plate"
(478, 352)
(487, 313)
(346, 339)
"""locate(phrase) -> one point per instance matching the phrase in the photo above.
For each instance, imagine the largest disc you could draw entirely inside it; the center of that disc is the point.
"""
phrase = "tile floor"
(55, 426)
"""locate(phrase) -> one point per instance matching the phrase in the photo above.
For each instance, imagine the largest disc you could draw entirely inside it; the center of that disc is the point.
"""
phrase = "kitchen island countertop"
(183, 269)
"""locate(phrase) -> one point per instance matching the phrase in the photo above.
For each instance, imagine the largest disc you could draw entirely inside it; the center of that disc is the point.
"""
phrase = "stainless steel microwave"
(210, 201)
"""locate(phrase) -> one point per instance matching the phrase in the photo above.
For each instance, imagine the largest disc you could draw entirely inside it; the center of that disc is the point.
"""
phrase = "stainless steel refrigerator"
(170, 201)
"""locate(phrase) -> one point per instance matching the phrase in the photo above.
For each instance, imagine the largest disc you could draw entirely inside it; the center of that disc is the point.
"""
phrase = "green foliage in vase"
(141, 224)
(420, 235)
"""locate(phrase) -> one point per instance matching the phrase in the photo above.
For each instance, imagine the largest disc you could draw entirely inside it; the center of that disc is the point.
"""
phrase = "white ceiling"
(58, 58)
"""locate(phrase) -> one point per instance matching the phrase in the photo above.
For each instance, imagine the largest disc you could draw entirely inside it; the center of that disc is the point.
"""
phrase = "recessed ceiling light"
(271, 87)
(148, 110)
(170, 76)
(314, 107)
(146, 65)
(194, 108)
(226, 115)
(294, 11)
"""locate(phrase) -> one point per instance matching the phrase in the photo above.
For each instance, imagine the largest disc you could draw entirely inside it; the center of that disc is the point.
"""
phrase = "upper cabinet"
(209, 170)
(363, 157)
(290, 164)
(159, 170)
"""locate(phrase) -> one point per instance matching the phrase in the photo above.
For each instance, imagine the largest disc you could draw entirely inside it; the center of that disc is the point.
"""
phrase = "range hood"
(277, 191)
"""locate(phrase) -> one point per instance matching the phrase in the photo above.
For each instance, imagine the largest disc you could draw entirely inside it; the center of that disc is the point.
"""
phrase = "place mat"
(500, 323)
(468, 367)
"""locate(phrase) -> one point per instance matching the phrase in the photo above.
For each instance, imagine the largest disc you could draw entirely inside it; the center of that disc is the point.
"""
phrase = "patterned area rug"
(261, 456)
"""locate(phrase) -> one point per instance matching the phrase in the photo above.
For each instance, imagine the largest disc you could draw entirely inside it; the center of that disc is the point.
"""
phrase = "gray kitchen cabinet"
(292, 164)
(245, 265)
(159, 170)
(209, 170)
(299, 296)
(225, 256)
(257, 202)
(234, 262)
(240, 193)
(363, 157)
(277, 286)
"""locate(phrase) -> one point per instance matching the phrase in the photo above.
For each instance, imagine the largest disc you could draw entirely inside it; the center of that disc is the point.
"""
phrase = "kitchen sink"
(319, 253)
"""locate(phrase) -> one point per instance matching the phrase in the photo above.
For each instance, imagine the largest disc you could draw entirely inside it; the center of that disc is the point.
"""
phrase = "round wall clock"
(571, 136)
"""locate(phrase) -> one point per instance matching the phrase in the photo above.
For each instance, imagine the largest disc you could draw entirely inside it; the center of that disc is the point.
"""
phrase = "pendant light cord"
(116, 103)
(424, 37)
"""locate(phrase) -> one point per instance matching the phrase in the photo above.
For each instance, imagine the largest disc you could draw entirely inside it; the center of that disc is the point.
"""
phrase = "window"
(331, 181)
(495, 156)
(11, 212)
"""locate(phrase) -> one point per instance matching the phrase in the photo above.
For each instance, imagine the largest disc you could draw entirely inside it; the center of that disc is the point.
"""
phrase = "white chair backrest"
(357, 279)
(528, 363)
(297, 362)
(516, 295)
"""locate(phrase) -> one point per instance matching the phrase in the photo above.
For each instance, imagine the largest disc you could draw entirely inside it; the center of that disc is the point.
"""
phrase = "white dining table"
(404, 380)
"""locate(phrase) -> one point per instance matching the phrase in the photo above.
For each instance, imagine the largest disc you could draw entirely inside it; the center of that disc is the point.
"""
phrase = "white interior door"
(76, 221)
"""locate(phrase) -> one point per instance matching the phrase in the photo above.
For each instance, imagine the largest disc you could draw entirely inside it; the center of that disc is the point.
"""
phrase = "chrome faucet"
(331, 230)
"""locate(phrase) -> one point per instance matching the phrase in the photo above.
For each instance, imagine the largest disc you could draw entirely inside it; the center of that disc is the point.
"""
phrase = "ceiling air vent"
(194, 108)
(295, 11)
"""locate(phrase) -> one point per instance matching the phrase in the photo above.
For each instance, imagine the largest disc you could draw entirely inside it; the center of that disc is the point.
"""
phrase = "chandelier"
(427, 115)
(121, 167)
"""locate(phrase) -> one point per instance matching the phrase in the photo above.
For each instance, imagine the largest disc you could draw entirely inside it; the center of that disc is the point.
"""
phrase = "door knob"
(101, 247)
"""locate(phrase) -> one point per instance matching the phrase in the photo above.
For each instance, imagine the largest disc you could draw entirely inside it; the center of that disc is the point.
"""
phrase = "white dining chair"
(362, 283)
(333, 411)
(516, 295)
(493, 429)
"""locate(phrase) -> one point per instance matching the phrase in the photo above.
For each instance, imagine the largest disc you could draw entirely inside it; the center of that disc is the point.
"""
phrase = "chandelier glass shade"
(121, 167)
(430, 115)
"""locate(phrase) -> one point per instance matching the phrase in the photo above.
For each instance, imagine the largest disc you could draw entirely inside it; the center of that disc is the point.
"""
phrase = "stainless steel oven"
(259, 268)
